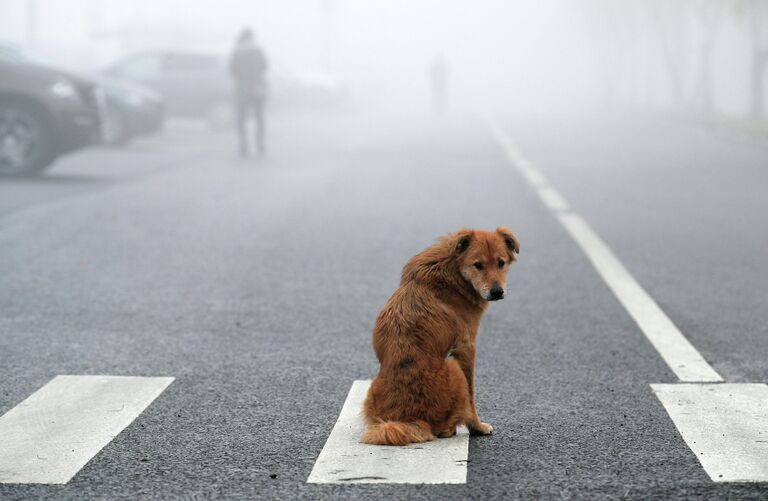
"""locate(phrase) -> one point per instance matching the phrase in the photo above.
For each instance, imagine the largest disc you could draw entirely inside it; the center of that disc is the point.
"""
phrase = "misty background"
(688, 55)
(156, 221)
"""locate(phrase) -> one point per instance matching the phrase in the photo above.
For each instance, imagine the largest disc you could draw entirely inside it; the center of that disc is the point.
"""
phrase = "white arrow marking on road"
(344, 460)
(725, 425)
(51, 435)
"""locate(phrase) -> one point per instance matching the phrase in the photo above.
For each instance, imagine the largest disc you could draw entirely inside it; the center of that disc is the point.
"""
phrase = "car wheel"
(26, 142)
(114, 130)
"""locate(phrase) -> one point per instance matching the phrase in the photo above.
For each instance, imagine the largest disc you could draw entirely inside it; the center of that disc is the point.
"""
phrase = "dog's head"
(484, 258)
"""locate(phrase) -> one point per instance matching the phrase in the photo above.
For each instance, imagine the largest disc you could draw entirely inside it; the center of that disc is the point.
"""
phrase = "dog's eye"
(479, 266)
(501, 263)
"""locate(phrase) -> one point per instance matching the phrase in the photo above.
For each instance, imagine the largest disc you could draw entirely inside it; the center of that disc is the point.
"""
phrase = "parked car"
(197, 84)
(130, 110)
(44, 113)
(192, 84)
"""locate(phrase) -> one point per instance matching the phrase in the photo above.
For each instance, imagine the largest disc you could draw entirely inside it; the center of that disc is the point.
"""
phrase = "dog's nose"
(496, 293)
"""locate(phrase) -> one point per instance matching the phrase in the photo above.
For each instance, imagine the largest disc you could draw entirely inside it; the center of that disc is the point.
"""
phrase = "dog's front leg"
(465, 354)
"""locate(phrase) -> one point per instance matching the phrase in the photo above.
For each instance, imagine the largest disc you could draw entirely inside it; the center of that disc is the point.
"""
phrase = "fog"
(223, 194)
(533, 55)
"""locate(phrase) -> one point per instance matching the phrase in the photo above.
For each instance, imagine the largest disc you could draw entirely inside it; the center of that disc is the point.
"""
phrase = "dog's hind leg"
(450, 432)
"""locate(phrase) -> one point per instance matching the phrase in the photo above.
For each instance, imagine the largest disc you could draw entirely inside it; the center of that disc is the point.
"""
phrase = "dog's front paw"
(481, 429)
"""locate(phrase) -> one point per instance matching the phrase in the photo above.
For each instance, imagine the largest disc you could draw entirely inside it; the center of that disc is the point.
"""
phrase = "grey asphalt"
(256, 284)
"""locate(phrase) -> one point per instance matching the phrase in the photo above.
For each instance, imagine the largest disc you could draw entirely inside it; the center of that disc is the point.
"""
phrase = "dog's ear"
(513, 244)
(463, 238)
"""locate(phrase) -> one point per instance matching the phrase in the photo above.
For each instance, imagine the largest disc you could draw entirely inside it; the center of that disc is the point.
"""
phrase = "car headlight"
(63, 89)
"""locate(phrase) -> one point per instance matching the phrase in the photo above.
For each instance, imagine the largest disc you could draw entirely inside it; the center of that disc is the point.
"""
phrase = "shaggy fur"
(425, 339)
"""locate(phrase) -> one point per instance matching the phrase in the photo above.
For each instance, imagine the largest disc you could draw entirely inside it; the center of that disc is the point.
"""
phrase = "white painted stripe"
(535, 178)
(725, 425)
(524, 165)
(684, 360)
(681, 356)
(51, 435)
(344, 460)
(552, 199)
(510, 149)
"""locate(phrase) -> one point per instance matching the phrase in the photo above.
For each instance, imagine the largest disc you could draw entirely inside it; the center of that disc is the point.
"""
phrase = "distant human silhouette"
(248, 67)
(438, 76)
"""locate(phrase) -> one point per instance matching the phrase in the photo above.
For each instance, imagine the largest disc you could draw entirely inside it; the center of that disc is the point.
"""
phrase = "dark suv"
(44, 113)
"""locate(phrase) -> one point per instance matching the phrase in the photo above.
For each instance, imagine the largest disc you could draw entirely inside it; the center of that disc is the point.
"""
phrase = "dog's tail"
(397, 433)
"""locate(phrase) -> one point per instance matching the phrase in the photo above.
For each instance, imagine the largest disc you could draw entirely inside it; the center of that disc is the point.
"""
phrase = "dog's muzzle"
(496, 293)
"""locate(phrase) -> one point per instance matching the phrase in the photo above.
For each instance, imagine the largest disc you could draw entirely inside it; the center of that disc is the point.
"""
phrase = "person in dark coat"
(248, 67)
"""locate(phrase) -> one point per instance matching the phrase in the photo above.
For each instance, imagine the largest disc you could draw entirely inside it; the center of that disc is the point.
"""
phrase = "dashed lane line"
(552, 199)
(724, 424)
(50, 436)
(684, 360)
(681, 356)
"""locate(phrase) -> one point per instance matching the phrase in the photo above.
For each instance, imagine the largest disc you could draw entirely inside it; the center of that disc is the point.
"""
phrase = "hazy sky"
(524, 53)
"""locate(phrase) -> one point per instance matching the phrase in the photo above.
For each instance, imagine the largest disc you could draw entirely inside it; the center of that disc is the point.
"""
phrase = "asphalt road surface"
(255, 284)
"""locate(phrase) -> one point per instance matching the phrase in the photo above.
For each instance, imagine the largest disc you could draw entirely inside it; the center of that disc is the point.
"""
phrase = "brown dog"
(425, 339)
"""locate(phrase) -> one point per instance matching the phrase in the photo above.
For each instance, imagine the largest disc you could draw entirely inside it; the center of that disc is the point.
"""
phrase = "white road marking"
(684, 360)
(552, 199)
(535, 178)
(51, 435)
(725, 425)
(681, 356)
(344, 460)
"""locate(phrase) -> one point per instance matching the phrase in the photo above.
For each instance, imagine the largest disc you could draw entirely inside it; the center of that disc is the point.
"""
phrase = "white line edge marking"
(552, 199)
(684, 360)
(535, 178)
(681, 356)
(50, 436)
(725, 425)
(344, 460)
